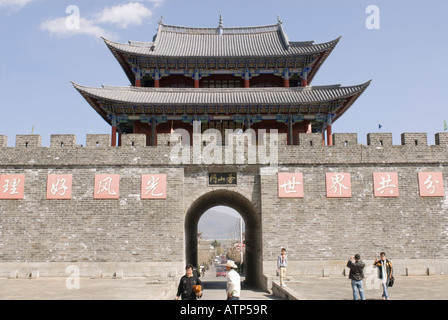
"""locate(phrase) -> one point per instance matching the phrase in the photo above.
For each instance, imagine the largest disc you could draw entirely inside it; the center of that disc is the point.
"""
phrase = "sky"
(42, 50)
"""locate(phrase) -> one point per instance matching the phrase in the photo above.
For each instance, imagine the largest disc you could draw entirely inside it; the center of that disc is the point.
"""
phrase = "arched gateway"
(252, 219)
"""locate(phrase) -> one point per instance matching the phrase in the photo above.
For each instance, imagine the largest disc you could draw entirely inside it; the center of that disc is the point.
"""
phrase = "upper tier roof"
(265, 41)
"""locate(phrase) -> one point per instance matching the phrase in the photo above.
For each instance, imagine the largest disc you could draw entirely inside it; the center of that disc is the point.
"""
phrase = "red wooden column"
(156, 79)
(138, 79)
(114, 136)
(196, 78)
(304, 77)
(137, 126)
(329, 136)
(153, 131)
(329, 133)
(246, 78)
(286, 78)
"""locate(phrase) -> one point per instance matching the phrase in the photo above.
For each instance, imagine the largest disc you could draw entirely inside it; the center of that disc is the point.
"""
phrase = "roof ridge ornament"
(161, 20)
(220, 27)
(282, 33)
(279, 20)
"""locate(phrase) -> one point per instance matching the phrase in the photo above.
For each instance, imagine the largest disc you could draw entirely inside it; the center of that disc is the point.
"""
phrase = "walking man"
(356, 275)
(282, 264)
(186, 285)
(385, 273)
(233, 281)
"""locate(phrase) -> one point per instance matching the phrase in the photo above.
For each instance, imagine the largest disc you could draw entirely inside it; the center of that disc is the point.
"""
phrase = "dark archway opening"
(252, 220)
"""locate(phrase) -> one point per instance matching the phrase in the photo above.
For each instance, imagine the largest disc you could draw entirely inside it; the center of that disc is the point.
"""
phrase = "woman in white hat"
(233, 281)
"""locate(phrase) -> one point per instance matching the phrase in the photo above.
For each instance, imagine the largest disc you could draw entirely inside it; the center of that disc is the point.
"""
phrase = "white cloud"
(58, 27)
(133, 13)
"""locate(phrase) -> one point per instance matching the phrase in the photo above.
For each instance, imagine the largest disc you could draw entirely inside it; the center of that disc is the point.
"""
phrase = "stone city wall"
(133, 236)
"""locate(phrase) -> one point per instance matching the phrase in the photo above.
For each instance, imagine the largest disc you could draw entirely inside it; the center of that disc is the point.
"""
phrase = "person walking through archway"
(233, 281)
(187, 285)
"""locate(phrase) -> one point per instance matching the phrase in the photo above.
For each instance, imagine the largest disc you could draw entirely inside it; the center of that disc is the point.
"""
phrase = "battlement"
(239, 148)
(305, 140)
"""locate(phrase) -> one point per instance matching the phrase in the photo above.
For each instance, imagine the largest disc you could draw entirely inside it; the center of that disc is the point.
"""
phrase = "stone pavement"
(45, 288)
(89, 289)
(306, 288)
(339, 288)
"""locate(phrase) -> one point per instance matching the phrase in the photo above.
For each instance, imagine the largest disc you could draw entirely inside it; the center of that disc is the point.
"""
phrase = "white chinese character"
(55, 188)
(429, 186)
(290, 185)
(386, 183)
(11, 186)
(337, 183)
(152, 186)
(106, 186)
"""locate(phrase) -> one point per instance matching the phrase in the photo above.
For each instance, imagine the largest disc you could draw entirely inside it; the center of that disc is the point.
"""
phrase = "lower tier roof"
(109, 100)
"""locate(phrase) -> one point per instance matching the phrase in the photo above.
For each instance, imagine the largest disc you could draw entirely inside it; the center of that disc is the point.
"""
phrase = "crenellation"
(345, 139)
(240, 148)
(63, 141)
(310, 139)
(98, 140)
(379, 139)
(3, 141)
(441, 139)
(414, 139)
(165, 139)
(133, 140)
(28, 141)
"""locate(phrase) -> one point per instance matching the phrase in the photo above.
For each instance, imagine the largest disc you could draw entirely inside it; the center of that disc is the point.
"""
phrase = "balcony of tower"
(220, 81)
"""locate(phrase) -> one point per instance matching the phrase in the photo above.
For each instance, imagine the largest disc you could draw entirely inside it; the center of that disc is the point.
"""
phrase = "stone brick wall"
(147, 237)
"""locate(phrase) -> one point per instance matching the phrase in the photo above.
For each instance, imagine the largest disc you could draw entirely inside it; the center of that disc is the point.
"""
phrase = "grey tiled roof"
(175, 41)
(220, 96)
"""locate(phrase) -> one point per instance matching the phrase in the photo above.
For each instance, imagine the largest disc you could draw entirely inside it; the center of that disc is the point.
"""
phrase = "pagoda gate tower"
(225, 78)
(238, 79)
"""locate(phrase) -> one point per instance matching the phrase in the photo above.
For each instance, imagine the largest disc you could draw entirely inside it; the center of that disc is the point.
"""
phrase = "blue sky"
(405, 58)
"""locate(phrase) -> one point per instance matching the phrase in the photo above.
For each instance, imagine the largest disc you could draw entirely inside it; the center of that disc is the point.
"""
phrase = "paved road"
(215, 288)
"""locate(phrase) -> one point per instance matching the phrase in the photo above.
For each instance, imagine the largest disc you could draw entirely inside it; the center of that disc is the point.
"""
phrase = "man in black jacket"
(385, 273)
(185, 289)
(356, 275)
